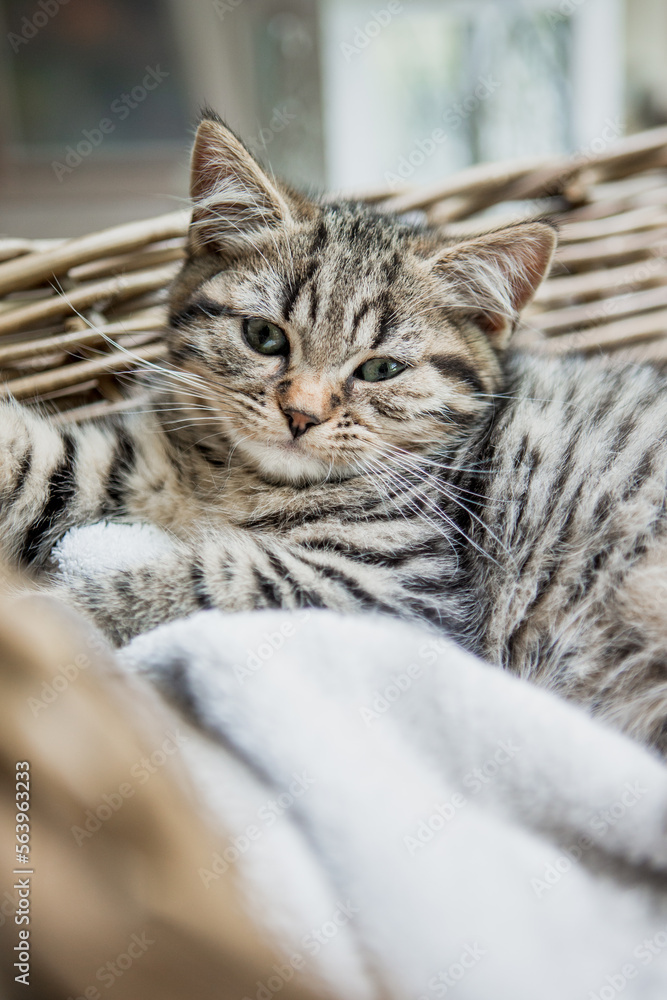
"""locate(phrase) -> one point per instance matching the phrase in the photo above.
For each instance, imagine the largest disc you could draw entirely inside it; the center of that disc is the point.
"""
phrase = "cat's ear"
(492, 277)
(233, 198)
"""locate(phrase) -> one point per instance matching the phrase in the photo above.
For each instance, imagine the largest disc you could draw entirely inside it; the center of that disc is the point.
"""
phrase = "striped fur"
(516, 503)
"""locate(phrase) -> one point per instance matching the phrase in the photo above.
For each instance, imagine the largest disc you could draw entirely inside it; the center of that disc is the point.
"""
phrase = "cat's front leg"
(37, 482)
(131, 578)
(53, 477)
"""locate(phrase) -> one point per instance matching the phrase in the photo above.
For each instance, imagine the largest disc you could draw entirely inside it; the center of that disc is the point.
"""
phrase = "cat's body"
(517, 503)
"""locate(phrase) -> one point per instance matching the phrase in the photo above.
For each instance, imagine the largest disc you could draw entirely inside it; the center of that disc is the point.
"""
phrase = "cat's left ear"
(492, 277)
(234, 199)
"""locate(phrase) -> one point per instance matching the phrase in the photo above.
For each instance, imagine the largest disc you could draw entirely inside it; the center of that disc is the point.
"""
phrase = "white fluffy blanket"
(408, 819)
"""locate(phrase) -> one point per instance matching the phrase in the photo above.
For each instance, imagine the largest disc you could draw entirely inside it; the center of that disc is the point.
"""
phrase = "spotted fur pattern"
(516, 503)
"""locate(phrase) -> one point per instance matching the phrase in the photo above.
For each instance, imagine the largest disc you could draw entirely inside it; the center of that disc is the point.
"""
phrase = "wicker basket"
(78, 316)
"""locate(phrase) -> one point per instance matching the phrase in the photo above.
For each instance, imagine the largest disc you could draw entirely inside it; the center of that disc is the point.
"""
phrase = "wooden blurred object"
(134, 882)
(79, 316)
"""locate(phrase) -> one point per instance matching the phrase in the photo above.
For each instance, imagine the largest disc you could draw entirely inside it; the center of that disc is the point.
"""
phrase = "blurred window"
(461, 82)
(331, 93)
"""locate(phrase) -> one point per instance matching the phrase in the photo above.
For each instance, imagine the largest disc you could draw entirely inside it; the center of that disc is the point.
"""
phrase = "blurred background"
(98, 97)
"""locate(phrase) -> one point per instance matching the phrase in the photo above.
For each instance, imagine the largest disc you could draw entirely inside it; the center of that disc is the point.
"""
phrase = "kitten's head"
(324, 336)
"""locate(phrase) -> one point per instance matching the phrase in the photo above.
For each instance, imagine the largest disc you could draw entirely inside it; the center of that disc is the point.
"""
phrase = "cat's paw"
(127, 578)
(103, 548)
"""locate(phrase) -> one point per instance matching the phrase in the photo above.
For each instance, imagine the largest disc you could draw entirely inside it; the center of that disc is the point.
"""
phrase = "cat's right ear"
(492, 277)
(233, 198)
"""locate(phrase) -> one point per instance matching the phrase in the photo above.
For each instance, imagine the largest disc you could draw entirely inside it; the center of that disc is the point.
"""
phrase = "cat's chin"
(282, 465)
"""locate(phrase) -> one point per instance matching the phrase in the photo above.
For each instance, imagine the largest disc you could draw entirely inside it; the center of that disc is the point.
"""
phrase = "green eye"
(379, 369)
(265, 337)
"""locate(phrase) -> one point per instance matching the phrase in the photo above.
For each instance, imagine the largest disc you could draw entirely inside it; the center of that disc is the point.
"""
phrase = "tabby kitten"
(341, 425)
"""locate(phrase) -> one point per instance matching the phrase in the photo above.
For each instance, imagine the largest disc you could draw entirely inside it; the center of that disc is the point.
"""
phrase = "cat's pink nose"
(300, 422)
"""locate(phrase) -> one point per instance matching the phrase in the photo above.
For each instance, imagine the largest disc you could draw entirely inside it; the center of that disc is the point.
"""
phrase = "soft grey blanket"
(407, 818)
